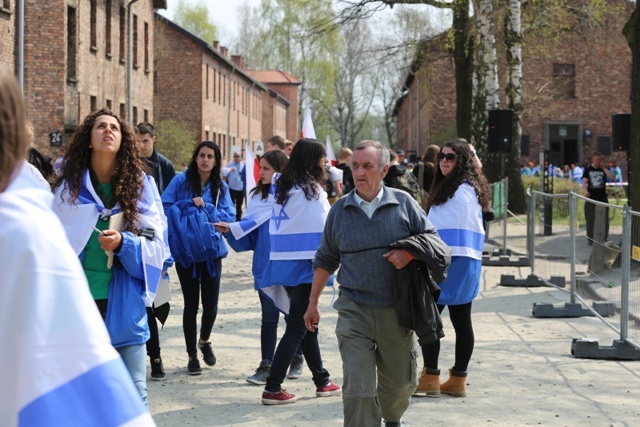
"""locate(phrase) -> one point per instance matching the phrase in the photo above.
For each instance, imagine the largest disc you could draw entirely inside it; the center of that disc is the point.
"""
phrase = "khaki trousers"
(379, 362)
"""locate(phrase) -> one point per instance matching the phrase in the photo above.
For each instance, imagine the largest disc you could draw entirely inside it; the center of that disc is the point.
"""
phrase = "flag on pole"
(331, 155)
(252, 169)
(307, 124)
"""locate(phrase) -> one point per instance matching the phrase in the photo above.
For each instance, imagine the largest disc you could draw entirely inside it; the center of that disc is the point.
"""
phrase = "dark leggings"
(153, 345)
(192, 287)
(460, 316)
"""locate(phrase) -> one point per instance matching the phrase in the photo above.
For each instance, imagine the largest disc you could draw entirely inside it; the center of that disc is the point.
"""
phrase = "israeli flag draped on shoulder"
(79, 217)
(60, 366)
(459, 222)
(258, 212)
(296, 226)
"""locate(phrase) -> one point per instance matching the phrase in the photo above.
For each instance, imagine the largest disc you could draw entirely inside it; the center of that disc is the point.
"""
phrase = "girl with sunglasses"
(460, 193)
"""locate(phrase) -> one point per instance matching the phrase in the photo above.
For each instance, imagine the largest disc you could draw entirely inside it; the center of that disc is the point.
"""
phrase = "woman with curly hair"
(101, 180)
(459, 195)
(201, 187)
(295, 229)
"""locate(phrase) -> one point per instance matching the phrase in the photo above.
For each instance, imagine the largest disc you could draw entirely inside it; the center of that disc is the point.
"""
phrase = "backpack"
(192, 236)
(408, 183)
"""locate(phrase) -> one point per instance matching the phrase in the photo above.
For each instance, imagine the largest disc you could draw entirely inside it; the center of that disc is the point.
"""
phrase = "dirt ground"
(521, 374)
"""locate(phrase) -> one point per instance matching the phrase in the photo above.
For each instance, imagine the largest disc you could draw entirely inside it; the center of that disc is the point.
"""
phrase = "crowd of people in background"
(573, 172)
(129, 216)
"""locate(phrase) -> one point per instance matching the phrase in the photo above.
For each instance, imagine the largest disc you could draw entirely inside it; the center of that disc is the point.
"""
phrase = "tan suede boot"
(456, 385)
(429, 382)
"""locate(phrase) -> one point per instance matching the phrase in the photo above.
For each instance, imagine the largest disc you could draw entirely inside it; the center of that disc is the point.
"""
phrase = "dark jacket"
(161, 169)
(416, 290)
(347, 178)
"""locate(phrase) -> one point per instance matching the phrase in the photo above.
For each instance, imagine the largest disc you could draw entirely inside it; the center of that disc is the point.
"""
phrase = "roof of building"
(212, 51)
(273, 76)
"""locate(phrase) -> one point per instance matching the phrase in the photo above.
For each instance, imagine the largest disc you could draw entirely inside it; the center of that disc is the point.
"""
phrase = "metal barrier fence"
(595, 248)
(497, 229)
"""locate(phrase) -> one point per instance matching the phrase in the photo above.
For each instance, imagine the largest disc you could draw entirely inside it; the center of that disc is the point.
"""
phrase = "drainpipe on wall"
(20, 44)
(130, 62)
(229, 154)
(249, 117)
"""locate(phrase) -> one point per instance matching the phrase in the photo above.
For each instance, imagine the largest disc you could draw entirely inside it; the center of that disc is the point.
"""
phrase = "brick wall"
(602, 84)
(56, 103)
(7, 36)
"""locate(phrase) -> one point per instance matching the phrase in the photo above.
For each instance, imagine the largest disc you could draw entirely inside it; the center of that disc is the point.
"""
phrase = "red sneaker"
(330, 389)
(279, 398)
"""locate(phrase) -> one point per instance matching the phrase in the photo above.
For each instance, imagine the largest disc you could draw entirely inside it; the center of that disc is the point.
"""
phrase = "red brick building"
(573, 84)
(197, 83)
(284, 85)
(75, 61)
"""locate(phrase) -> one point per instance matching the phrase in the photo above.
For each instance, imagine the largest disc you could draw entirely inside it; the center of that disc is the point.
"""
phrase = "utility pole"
(130, 63)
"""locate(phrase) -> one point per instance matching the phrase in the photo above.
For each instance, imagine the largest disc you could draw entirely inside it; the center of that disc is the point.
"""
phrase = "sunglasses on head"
(449, 156)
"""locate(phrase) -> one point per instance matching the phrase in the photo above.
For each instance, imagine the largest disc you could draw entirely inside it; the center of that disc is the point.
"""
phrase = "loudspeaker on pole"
(620, 131)
(500, 134)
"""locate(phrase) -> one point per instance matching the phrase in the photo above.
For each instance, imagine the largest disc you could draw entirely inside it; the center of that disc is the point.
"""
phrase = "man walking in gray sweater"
(378, 355)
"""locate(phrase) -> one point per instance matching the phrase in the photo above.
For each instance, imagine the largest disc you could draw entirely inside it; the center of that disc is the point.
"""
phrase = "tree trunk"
(485, 83)
(632, 33)
(513, 40)
(463, 60)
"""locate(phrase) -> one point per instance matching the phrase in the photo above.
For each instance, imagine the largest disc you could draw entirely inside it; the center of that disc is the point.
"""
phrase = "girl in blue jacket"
(108, 205)
(252, 234)
(201, 186)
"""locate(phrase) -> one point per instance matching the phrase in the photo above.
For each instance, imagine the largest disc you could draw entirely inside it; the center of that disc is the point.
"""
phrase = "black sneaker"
(193, 368)
(295, 370)
(207, 353)
(260, 377)
(157, 370)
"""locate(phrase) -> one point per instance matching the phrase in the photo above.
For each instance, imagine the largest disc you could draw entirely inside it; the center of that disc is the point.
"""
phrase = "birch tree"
(485, 75)
(513, 42)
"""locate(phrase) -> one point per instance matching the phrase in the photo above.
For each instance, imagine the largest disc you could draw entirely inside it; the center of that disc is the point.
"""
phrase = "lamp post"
(130, 62)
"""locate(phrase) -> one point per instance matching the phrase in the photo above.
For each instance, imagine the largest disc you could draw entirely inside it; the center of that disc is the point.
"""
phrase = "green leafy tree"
(176, 141)
(195, 19)
(297, 36)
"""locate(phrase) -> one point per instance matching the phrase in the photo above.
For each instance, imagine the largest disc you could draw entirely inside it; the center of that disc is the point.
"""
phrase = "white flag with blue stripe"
(58, 365)
(459, 222)
(296, 225)
(80, 217)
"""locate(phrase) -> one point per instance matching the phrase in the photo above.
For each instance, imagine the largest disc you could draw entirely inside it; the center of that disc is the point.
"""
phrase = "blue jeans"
(296, 335)
(269, 328)
(134, 358)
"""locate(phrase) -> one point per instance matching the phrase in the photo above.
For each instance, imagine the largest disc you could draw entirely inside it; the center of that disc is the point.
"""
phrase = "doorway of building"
(563, 145)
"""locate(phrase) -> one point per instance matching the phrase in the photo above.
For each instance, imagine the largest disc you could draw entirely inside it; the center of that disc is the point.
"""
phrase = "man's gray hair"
(383, 152)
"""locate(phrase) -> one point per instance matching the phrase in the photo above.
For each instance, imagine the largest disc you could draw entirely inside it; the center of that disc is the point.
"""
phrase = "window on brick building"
(134, 42)
(107, 28)
(109, 104)
(224, 90)
(135, 115)
(145, 116)
(123, 111)
(123, 33)
(146, 47)
(215, 72)
(206, 135)
(6, 4)
(207, 83)
(72, 43)
(564, 81)
(93, 45)
(93, 102)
